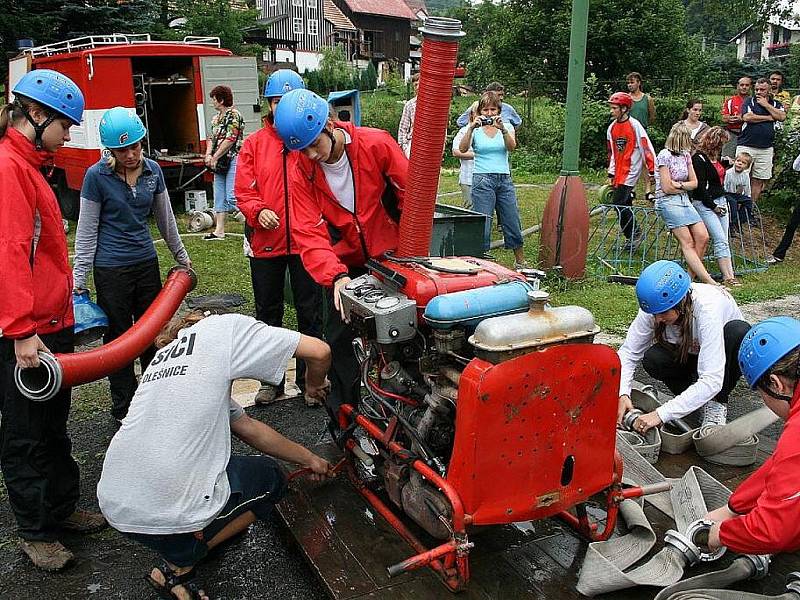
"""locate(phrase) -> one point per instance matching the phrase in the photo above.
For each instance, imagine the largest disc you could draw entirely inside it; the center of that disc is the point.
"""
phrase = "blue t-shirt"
(757, 135)
(123, 236)
(491, 155)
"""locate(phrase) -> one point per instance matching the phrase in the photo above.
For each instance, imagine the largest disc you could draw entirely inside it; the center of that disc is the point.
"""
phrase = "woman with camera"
(709, 198)
(222, 150)
(491, 140)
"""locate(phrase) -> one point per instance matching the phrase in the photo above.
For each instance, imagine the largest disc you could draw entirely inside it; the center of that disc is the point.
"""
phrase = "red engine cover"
(424, 284)
(535, 435)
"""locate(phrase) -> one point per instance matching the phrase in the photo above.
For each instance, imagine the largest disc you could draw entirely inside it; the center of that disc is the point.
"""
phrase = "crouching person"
(761, 515)
(169, 480)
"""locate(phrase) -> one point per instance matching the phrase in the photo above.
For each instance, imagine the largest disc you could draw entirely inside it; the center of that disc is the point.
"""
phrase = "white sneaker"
(715, 413)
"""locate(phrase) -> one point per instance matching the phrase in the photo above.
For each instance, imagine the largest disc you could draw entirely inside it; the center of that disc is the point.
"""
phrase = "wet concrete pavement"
(267, 562)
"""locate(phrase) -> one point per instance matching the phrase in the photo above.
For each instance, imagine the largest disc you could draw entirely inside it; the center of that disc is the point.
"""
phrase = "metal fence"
(610, 256)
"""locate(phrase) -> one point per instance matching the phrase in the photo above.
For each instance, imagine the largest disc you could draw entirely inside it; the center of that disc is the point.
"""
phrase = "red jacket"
(769, 500)
(332, 239)
(36, 279)
(262, 182)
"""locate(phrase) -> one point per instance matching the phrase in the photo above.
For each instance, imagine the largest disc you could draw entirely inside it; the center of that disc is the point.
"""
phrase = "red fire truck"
(167, 82)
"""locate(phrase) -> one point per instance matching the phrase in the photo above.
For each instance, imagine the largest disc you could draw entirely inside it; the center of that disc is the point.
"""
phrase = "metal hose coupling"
(693, 544)
(629, 418)
(793, 582)
(760, 564)
(40, 383)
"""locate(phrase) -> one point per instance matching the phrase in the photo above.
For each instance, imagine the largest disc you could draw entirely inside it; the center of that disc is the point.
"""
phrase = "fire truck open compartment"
(165, 96)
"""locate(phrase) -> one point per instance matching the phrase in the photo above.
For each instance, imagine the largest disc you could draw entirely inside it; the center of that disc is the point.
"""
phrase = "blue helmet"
(90, 320)
(765, 344)
(661, 286)
(300, 117)
(52, 90)
(282, 82)
(121, 127)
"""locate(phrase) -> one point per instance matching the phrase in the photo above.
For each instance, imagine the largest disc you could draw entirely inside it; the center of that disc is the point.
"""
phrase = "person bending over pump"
(348, 186)
(174, 447)
(761, 515)
(697, 329)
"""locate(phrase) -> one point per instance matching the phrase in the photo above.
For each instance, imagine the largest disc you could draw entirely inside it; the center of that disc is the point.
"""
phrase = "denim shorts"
(676, 210)
(224, 199)
(257, 484)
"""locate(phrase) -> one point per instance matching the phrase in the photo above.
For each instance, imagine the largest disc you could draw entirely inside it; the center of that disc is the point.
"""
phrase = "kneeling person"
(169, 480)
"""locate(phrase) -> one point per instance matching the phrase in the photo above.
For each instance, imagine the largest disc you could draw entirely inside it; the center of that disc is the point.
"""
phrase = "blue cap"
(661, 286)
(300, 117)
(52, 90)
(90, 320)
(282, 82)
(765, 344)
(121, 127)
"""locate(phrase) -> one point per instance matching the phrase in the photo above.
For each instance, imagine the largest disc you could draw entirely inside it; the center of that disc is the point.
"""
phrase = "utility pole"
(565, 223)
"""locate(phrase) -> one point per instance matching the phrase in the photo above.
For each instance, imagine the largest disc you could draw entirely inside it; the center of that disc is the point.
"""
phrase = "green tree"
(218, 18)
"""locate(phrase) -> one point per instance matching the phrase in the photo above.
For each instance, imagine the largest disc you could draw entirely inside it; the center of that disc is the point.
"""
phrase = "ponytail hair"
(685, 309)
(15, 111)
(170, 331)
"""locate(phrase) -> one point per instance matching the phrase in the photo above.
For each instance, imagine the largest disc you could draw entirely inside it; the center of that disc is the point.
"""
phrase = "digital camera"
(487, 120)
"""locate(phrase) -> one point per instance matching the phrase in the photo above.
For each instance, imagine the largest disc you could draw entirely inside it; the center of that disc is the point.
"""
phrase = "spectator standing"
(709, 199)
(644, 111)
(263, 194)
(760, 113)
(40, 475)
(794, 113)
(113, 238)
(467, 160)
(779, 254)
(508, 112)
(491, 140)
(692, 119)
(406, 129)
(675, 177)
(629, 149)
(737, 190)
(776, 82)
(227, 135)
(731, 114)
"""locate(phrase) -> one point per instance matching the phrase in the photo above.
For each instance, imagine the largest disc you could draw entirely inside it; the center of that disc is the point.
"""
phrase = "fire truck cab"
(167, 82)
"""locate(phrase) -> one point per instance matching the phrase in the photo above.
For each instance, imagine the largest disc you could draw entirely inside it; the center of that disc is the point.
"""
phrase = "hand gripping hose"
(439, 54)
(66, 370)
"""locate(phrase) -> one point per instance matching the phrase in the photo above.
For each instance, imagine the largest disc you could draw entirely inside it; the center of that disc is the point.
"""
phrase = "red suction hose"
(66, 370)
(439, 53)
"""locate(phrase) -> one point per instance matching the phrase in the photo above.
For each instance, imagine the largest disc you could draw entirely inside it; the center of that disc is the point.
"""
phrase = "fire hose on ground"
(57, 371)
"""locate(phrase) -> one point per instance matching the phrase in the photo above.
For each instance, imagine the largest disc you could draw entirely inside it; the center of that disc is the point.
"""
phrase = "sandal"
(732, 282)
(171, 580)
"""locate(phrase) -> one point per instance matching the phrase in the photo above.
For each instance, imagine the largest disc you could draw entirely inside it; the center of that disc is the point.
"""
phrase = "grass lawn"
(222, 267)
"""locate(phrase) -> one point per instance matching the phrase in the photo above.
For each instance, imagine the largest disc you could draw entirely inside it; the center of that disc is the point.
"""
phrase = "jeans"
(717, 226)
(740, 208)
(627, 222)
(124, 294)
(495, 191)
(257, 484)
(267, 275)
(40, 474)
(788, 234)
(661, 363)
(224, 200)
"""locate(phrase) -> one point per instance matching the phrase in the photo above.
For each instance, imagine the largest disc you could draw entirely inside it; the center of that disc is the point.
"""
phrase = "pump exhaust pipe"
(66, 370)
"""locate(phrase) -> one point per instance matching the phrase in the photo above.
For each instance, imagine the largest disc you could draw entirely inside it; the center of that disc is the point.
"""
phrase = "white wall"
(306, 61)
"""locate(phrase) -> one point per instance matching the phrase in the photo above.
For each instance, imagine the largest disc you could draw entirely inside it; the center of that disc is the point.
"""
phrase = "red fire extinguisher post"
(565, 223)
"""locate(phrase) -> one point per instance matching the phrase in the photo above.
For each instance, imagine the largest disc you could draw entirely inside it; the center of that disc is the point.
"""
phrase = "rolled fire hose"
(743, 567)
(65, 370)
(792, 592)
(200, 220)
(733, 444)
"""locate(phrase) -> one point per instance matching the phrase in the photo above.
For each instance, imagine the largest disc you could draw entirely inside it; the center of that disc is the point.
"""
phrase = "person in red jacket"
(761, 515)
(36, 316)
(262, 193)
(348, 186)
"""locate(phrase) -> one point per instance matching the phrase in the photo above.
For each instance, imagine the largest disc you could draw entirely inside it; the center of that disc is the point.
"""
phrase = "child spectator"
(737, 190)
(467, 160)
(406, 128)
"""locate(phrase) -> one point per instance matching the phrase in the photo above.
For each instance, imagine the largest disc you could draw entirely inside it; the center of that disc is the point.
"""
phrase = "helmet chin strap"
(332, 139)
(37, 128)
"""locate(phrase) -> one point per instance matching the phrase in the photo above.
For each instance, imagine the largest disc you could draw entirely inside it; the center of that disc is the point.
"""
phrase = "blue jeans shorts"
(257, 484)
(224, 199)
(676, 210)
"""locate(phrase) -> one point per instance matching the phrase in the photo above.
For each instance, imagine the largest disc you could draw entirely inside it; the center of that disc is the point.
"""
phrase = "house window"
(297, 3)
(273, 2)
(312, 4)
(313, 27)
(298, 25)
